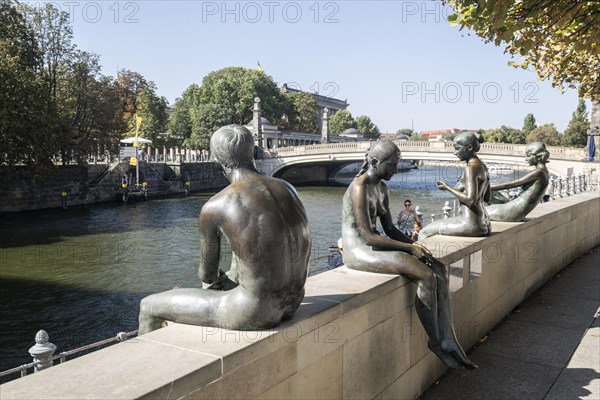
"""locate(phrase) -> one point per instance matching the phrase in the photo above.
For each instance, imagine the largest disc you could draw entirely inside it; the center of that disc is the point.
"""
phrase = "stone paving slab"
(556, 310)
(496, 378)
(581, 378)
(548, 348)
(534, 343)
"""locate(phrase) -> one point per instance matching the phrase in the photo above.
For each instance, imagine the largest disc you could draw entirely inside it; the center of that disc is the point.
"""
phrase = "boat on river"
(501, 169)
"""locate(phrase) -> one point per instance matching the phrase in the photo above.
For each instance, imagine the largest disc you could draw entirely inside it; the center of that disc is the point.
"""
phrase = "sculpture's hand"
(419, 251)
(441, 185)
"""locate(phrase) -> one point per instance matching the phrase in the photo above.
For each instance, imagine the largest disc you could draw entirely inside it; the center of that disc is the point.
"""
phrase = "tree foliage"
(55, 104)
(367, 127)
(340, 121)
(225, 97)
(412, 134)
(559, 39)
(529, 124)
(21, 98)
(302, 112)
(576, 133)
(505, 134)
(546, 133)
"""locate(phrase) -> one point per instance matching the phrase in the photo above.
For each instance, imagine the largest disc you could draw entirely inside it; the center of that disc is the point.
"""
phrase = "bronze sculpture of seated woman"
(366, 200)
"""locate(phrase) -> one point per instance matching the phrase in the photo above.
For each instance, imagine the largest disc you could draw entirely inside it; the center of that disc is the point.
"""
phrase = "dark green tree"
(180, 120)
(302, 113)
(22, 104)
(130, 85)
(576, 133)
(504, 134)
(367, 127)
(227, 96)
(529, 124)
(153, 110)
(54, 35)
(546, 133)
(408, 132)
(340, 121)
(557, 39)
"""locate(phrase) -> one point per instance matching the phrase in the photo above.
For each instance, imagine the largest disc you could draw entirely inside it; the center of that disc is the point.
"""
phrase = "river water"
(80, 273)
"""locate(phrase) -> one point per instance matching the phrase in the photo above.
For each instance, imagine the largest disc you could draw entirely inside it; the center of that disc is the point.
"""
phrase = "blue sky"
(399, 62)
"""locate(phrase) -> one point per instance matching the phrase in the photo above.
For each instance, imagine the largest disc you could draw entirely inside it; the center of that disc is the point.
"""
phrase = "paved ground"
(547, 348)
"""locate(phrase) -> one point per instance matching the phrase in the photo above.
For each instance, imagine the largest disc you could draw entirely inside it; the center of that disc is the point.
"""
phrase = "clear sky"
(399, 62)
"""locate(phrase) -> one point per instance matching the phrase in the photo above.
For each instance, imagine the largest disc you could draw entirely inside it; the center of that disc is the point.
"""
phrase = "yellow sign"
(133, 161)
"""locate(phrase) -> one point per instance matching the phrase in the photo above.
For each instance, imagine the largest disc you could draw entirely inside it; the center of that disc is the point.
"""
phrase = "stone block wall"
(355, 336)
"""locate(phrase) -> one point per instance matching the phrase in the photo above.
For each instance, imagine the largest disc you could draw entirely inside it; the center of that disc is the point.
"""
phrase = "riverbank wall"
(355, 336)
(71, 185)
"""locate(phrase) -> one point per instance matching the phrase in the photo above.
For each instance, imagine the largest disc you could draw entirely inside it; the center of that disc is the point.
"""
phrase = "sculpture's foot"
(446, 358)
(452, 348)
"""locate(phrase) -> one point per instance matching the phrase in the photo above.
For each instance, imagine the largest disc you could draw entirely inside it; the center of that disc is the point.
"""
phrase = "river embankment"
(22, 189)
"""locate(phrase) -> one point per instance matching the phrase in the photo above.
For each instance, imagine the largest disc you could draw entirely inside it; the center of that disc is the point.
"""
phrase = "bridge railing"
(560, 153)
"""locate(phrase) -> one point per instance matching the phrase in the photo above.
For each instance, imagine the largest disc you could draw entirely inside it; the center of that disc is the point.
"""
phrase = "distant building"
(352, 133)
(392, 135)
(439, 133)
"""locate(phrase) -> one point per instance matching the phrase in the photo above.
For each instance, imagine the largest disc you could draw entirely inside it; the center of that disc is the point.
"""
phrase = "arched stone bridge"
(318, 163)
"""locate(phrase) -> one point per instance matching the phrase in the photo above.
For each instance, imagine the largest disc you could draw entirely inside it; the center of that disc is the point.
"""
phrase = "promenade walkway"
(547, 348)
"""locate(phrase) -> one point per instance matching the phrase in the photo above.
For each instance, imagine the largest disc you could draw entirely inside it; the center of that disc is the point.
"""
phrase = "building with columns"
(268, 136)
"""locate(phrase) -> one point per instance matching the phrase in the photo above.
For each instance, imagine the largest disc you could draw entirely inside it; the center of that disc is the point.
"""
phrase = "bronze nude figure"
(365, 249)
(534, 186)
(472, 191)
(266, 225)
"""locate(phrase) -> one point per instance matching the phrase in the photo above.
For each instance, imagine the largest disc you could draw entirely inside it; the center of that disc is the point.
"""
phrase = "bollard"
(63, 200)
(447, 209)
(42, 352)
(564, 185)
(419, 214)
(552, 190)
(558, 188)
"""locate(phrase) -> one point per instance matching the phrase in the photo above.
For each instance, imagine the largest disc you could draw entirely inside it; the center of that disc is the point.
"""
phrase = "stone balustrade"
(563, 153)
(355, 336)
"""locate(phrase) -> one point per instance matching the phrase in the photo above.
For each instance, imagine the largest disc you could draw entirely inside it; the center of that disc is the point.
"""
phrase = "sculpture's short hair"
(469, 138)
(232, 146)
(539, 149)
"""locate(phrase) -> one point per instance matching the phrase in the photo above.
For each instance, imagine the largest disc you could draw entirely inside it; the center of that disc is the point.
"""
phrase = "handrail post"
(42, 351)
(446, 209)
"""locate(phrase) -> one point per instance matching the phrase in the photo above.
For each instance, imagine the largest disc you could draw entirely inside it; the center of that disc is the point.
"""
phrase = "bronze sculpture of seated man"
(266, 225)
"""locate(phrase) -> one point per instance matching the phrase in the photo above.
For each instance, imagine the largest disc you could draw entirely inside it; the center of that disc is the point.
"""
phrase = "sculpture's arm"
(210, 245)
(530, 177)
(388, 224)
(360, 209)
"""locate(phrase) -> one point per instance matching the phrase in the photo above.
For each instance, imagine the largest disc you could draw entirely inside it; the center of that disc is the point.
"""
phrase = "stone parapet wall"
(356, 334)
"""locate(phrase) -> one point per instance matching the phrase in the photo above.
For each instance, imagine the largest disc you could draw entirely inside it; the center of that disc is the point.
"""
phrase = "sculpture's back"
(266, 226)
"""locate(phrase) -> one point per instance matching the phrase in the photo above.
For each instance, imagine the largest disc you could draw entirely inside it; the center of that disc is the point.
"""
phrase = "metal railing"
(43, 361)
